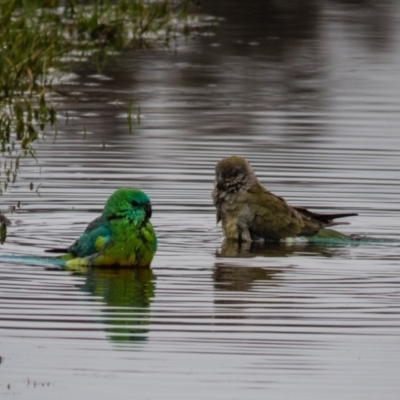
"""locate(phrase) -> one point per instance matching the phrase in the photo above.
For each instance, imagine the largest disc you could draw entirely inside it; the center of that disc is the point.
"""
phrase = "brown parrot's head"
(232, 174)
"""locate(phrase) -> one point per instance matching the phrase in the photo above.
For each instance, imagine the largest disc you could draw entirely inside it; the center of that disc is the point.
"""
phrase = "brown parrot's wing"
(275, 219)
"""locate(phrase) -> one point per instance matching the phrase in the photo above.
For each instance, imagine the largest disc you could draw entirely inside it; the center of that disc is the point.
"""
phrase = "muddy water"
(311, 97)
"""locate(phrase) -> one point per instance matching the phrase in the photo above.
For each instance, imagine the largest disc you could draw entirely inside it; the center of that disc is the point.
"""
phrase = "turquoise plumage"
(122, 236)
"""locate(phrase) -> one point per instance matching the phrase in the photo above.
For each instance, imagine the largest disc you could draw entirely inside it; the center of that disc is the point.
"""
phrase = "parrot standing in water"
(249, 212)
(122, 236)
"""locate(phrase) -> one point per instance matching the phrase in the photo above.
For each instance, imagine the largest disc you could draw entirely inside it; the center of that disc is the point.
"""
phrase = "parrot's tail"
(56, 261)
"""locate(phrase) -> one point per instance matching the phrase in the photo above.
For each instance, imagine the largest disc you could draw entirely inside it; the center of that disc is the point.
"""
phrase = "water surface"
(310, 97)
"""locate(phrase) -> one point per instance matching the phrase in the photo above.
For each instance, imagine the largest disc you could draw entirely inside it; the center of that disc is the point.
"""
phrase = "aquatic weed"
(39, 36)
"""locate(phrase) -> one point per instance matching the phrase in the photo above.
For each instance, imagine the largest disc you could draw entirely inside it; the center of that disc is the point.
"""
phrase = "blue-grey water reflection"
(308, 92)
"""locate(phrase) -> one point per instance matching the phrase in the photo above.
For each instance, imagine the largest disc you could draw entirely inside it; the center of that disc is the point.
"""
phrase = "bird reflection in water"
(240, 278)
(232, 249)
(237, 277)
(127, 294)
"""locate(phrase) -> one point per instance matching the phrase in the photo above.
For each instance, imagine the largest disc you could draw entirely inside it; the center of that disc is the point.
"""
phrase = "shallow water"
(310, 97)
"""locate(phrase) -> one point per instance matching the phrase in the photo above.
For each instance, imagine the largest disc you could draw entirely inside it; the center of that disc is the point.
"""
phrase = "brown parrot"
(249, 212)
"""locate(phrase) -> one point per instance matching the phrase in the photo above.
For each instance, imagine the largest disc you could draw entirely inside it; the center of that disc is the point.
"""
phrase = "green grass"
(38, 35)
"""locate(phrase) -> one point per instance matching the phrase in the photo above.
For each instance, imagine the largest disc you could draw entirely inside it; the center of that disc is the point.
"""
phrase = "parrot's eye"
(134, 203)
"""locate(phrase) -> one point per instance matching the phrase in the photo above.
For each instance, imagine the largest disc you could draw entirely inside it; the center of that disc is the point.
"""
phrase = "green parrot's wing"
(130, 246)
(273, 217)
(95, 237)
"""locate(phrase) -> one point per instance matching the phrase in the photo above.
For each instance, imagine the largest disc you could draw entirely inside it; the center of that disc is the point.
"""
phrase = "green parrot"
(249, 212)
(122, 236)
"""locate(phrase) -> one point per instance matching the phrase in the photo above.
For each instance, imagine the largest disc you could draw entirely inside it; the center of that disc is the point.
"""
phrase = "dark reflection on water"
(281, 249)
(234, 277)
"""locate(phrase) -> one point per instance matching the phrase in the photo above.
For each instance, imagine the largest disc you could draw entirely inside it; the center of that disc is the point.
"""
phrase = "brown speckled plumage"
(250, 212)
